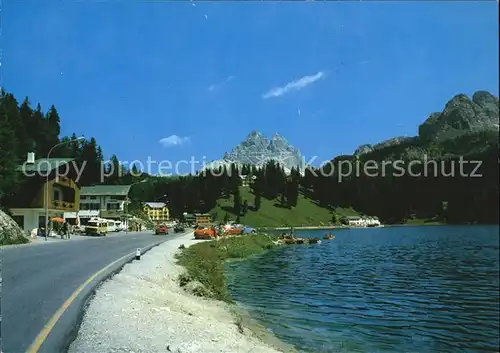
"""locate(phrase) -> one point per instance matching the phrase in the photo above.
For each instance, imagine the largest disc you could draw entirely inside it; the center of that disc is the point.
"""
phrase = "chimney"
(31, 158)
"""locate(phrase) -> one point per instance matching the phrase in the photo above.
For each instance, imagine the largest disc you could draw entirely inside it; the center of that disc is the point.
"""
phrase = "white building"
(105, 201)
(356, 221)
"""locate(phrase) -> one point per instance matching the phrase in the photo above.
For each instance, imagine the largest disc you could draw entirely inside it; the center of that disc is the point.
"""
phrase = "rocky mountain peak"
(256, 149)
(461, 115)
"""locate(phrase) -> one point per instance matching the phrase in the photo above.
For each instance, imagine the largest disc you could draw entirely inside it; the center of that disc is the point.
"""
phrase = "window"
(56, 195)
(19, 220)
(113, 206)
(94, 206)
(92, 197)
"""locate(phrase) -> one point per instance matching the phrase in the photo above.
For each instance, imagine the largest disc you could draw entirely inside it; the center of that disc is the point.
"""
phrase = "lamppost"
(139, 182)
(47, 183)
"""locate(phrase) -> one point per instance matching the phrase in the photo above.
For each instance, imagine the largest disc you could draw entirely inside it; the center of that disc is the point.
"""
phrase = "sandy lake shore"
(143, 309)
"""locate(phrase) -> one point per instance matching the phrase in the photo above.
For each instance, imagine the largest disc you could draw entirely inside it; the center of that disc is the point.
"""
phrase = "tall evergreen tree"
(245, 207)
(257, 201)
(27, 129)
(237, 202)
(9, 118)
(52, 128)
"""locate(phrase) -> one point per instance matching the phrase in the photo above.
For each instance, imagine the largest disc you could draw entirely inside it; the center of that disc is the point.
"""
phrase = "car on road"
(120, 227)
(162, 229)
(96, 227)
(179, 228)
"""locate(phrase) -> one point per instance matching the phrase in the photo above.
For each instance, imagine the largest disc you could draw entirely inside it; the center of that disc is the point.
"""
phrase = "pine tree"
(237, 202)
(40, 132)
(8, 144)
(257, 201)
(283, 200)
(245, 207)
(114, 171)
(53, 128)
(26, 135)
(92, 157)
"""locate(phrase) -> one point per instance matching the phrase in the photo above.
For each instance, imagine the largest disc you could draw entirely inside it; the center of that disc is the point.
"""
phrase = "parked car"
(161, 230)
(179, 228)
(119, 226)
(205, 233)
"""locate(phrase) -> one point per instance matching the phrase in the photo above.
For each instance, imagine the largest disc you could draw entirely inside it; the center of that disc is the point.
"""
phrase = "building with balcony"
(158, 212)
(44, 182)
(105, 201)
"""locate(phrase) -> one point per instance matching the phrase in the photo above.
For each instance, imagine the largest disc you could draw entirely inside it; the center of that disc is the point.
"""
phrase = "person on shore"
(64, 230)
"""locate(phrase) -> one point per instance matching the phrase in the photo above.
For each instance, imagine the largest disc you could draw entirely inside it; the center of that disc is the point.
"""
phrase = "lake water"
(396, 289)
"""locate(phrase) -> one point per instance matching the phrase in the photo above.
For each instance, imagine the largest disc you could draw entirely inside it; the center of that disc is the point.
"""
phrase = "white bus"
(110, 223)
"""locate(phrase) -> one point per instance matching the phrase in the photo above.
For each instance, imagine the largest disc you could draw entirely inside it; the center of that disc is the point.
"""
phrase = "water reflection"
(402, 289)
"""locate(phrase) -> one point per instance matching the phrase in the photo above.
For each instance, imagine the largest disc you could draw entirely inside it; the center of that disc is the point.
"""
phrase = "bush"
(204, 262)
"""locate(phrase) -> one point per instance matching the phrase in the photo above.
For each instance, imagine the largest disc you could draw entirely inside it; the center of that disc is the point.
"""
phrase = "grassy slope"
(204, 261)
(306, 213)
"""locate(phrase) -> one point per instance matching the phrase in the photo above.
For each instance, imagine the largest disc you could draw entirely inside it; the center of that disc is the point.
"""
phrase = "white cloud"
(173, 140)
(293, 85)
(213, 87)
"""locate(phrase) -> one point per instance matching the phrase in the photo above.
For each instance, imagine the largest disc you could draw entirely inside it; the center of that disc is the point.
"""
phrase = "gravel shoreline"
(142, 309)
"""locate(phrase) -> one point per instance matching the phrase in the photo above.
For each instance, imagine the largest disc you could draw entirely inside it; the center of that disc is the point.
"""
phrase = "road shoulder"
(143, 309)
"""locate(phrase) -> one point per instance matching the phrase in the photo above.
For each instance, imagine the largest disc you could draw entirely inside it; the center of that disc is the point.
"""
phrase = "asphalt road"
(38, 278)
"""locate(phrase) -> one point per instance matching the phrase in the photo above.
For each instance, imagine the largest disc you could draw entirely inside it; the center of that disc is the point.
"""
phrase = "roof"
(245, 176)
(105, 190)
(156, 204)
(44, 164)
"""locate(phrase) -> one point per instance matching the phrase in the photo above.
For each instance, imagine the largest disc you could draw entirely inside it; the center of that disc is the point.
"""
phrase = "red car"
(161, 230)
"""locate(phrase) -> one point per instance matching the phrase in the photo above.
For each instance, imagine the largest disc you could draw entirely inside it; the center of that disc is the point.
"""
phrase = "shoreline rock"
(10, 232)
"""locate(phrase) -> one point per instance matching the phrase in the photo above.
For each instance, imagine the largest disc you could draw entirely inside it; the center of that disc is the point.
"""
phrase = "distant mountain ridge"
(461, 115)
(257, 150)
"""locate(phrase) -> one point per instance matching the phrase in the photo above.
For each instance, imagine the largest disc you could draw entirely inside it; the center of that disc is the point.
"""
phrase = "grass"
(306, 213)
(422, 222)
(204, 262)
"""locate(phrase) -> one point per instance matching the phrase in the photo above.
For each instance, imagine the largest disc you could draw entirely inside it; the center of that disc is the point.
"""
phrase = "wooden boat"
(329, 236)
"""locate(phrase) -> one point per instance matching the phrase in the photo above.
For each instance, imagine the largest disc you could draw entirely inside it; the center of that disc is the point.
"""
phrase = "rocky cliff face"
(10, 233)
(367, 148)
(461, 115)
(257, 150)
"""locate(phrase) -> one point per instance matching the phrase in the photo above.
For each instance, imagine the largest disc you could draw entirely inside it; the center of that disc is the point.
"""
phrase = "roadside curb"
(92, 292)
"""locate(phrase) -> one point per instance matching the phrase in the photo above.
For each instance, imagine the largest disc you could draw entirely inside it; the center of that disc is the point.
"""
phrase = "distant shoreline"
(417, 224)
(306, 228)
(351, 227)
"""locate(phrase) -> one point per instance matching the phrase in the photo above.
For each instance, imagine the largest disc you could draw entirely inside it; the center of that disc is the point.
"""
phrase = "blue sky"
(327, 76)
